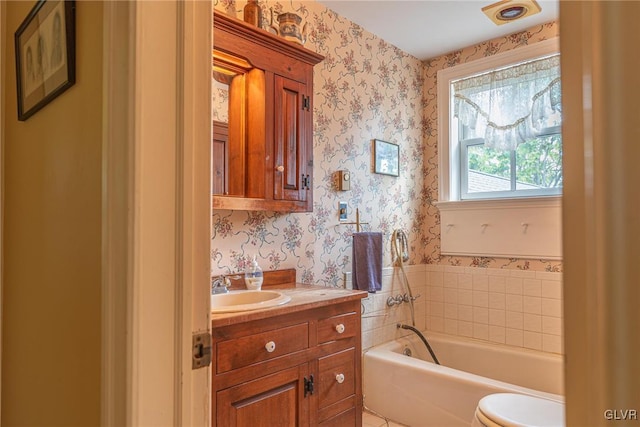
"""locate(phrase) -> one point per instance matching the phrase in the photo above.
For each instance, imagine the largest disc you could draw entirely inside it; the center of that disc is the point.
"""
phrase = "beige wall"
(51, 325)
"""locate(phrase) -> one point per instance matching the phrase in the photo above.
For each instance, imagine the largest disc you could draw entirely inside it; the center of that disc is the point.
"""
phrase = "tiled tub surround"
(503, 306)
(513, 307)
(378, 320)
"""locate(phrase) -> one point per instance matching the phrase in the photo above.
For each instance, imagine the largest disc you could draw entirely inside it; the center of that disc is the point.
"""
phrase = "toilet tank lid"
(519, 410)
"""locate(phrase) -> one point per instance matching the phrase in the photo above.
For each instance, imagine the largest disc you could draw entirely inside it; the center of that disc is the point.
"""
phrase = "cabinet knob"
(340, 328)
(280, 168)
(340, 378)
(270, 346)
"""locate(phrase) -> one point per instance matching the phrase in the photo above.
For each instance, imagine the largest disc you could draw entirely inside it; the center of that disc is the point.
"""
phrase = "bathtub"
(418, 393)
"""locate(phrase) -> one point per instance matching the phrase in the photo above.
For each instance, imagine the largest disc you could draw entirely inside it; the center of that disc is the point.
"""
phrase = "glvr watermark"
(620, 414)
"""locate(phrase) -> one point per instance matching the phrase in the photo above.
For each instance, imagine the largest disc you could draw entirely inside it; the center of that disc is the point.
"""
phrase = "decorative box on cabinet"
(300, 368)
(272, 128)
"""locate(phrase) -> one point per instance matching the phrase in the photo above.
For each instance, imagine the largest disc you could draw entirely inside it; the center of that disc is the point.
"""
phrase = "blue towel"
(367, 261)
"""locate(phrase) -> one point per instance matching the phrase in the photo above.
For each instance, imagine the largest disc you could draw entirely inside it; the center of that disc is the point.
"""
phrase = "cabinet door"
(275, 400)
(293, 147)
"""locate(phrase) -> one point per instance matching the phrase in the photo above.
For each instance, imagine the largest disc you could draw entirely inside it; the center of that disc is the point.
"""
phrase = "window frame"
(449, 147)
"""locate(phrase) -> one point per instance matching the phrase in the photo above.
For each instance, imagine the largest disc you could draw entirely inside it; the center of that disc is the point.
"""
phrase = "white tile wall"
(512, 307)
(379, 321)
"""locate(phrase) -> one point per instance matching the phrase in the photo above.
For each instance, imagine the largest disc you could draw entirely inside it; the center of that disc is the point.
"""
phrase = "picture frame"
(386, 158)
(45, 55)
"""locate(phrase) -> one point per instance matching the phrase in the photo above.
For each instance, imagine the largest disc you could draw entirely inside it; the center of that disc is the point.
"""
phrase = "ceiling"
(430, 28)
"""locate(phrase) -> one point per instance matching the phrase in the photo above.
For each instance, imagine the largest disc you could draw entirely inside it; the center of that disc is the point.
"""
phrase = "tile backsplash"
(503, 306)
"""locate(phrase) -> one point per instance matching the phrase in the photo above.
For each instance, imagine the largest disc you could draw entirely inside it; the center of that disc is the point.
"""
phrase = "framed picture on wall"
(386, 158)
(45, 55)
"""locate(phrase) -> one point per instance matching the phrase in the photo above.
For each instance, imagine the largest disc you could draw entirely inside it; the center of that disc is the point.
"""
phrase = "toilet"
(518, 410)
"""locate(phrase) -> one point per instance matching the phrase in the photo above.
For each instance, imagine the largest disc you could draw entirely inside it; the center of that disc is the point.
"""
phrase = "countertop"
(303, 297)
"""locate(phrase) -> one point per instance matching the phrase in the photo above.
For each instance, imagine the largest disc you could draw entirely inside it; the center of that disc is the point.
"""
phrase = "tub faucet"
(220, 285)
(397, 300)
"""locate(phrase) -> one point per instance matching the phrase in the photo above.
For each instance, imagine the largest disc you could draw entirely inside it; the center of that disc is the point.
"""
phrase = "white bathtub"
(418, 393)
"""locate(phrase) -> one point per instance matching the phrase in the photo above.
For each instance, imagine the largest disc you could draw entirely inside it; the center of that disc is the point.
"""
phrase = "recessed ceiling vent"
(509, 10)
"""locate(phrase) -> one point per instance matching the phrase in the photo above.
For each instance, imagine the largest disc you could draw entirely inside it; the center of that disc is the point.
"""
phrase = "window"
(500, 155)
(533, 168)
(503, 118)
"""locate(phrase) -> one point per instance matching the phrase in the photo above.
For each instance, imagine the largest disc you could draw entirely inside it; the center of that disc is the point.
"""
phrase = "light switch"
(342, 210)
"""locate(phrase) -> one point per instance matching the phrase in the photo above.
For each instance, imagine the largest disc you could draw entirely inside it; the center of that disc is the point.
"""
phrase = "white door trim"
(156, 227)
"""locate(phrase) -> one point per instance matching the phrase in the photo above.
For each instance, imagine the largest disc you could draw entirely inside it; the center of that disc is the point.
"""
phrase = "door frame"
(601, 241)
(3, 53)
(156, 212)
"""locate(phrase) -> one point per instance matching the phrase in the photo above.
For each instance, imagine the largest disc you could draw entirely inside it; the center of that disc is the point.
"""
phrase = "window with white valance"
(503, 117)
(512, 105)
(500, 154)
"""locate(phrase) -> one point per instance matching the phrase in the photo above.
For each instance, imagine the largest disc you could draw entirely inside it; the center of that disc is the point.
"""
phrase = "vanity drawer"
(336, 377)
(337, 327)
(240, 352)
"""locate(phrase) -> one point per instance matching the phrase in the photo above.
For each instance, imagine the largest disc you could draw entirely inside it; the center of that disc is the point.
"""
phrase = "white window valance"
(512, 105)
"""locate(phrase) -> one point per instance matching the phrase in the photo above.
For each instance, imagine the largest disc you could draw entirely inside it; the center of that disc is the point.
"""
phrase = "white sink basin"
(246, 300)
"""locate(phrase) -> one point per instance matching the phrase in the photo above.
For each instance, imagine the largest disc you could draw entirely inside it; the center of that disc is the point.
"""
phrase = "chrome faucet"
(220, 285)
(399, 299)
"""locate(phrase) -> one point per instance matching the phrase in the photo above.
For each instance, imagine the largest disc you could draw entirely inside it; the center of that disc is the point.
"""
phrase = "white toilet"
(518, 410)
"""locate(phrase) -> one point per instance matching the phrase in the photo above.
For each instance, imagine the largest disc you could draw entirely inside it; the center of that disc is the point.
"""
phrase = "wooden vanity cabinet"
(297, 369)
(276, 118)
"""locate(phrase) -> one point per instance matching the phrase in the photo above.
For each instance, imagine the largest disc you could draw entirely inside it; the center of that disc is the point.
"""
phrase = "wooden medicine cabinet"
(262, 135)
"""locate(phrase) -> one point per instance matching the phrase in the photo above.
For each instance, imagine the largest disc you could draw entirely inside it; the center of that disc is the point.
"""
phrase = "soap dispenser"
(253, 275)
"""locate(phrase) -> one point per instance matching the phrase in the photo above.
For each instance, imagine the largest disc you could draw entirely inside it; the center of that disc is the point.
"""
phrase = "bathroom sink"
(246, 300)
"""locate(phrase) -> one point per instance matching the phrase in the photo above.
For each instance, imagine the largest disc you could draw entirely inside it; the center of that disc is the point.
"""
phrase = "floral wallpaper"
(219, 102)
(365, 89)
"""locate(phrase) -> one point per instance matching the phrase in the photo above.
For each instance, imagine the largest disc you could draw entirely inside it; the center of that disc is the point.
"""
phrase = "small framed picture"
(45, 55)
(386, 158)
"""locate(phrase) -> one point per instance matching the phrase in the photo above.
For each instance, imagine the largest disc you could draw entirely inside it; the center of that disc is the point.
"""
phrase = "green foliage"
(538, 161)
(487, 160)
